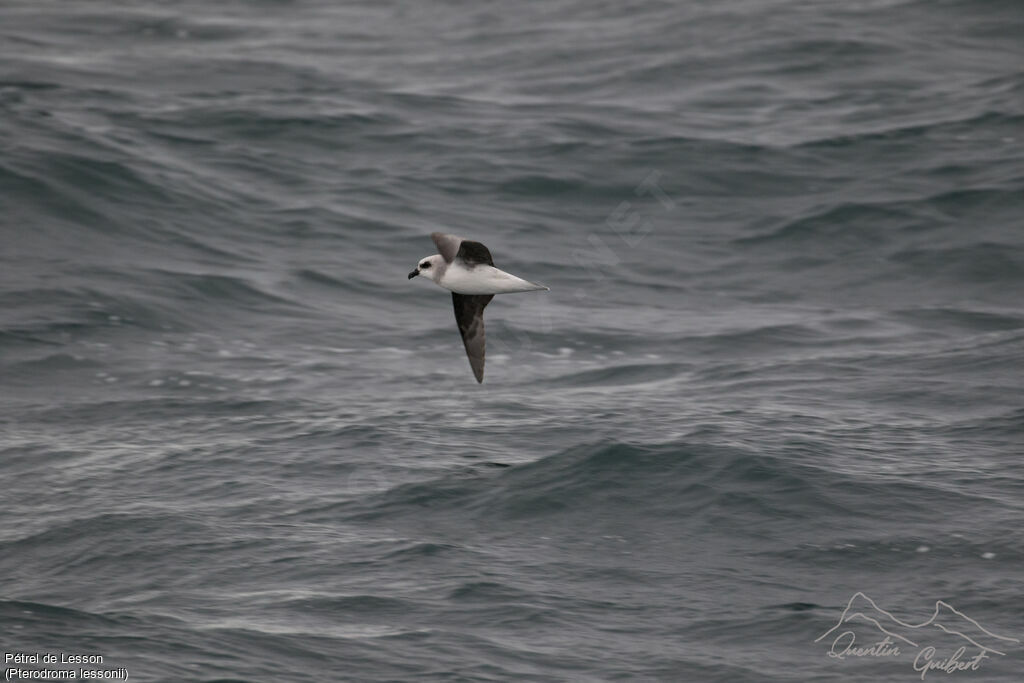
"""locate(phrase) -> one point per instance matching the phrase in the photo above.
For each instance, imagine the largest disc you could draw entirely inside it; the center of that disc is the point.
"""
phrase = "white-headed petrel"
(466, 268)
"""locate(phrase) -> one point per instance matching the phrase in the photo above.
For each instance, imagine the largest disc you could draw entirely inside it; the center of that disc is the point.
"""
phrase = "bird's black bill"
(413, 274)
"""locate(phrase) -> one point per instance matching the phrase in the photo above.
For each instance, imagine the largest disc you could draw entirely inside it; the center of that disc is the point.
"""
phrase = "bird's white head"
(429, 267)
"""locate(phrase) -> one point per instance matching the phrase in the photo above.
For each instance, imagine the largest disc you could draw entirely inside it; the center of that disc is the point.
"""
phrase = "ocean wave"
(270, 120)
(961, 319)
(833, 230)
(713, 484)
(24, 612)
(160, 300)
(619, 375)
(913, 133)
(79, 539)
(981, 262)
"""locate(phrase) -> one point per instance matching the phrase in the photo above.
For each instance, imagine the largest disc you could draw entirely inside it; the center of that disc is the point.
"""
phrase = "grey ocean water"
(780, 362)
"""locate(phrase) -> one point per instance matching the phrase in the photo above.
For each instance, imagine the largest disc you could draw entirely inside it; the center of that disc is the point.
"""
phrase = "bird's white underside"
(483, 279)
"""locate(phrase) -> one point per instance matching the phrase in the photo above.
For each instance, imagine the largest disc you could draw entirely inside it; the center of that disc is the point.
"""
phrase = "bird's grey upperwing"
(472, 253)
(447, 245)
(452, 247)
(469, 314)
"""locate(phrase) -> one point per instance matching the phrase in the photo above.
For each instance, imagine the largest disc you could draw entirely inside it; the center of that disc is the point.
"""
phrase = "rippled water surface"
(780, 362)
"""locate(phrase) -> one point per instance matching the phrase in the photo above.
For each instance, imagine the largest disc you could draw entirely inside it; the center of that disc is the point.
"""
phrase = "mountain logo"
(947, 626)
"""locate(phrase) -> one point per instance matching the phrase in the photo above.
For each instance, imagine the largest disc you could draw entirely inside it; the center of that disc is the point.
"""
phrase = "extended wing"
(474, 253)
(447, 245)
(451, 247)
(469, 314)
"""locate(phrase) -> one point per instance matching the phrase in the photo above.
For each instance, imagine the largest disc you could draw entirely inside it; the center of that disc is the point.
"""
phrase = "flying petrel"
(466, 268)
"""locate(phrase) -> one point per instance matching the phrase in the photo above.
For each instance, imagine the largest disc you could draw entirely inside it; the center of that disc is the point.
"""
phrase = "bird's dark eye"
(425, 264)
